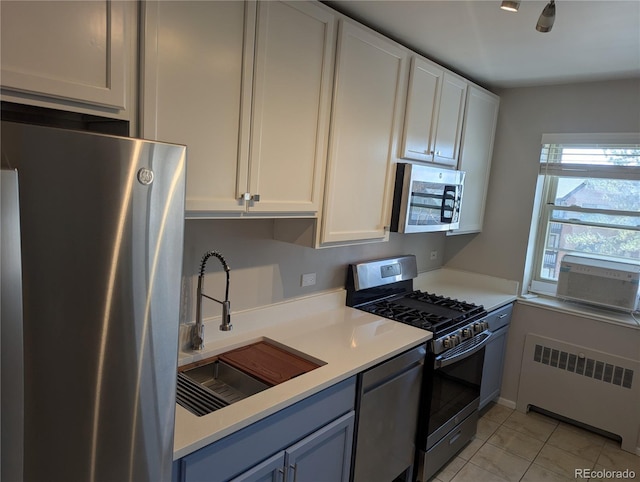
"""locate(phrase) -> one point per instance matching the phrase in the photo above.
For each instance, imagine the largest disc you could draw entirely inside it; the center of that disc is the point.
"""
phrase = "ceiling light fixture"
(548, 15)
(510, 6)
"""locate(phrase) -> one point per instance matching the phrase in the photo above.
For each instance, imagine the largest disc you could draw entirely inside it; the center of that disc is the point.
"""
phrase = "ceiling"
(590, 40)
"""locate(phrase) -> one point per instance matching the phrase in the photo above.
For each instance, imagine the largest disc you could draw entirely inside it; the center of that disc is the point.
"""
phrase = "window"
(590, 201)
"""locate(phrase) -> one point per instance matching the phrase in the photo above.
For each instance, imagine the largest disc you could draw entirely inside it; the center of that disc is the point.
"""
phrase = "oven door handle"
(463, 350)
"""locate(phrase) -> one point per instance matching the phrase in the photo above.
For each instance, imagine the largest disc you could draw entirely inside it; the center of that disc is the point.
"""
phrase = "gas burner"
(382, 311)
(419, 319)
(388, 309)
(452, 304)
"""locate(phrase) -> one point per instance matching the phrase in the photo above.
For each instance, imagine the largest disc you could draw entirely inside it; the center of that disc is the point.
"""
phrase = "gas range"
(453, 368)
(385, 288)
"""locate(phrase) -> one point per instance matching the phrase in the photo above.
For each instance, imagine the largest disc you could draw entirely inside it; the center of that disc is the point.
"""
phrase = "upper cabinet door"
(421, 115)
(66, 49)
(450, 115)
(293, 77)
(475, 156)
(434, 113)
(247, 87)
(369, 87)
(197, 91)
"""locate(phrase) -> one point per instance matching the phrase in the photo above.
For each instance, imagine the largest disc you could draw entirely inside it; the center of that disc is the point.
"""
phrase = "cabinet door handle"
(247, 196)
(294, 467)
(283, 471)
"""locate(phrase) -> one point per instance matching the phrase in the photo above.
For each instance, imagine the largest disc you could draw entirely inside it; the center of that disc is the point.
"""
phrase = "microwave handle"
(450, 192)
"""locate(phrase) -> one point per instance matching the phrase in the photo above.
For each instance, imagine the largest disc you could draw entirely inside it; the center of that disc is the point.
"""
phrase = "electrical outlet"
(308, 279)
(434, 255)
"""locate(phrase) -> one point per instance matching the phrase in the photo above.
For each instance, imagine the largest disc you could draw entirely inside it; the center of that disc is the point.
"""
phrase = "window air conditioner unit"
(598, 281)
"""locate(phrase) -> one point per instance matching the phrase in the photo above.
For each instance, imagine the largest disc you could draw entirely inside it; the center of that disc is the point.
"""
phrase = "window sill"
(579, 309)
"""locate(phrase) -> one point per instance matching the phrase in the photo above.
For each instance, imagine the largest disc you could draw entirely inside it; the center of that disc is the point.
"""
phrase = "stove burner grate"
(450, 303)
(425, 310)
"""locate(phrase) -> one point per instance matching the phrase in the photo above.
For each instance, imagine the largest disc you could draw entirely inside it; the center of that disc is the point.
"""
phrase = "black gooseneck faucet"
(197, 335)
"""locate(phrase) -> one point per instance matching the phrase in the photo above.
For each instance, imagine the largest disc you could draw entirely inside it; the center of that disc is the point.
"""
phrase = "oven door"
(455, 390)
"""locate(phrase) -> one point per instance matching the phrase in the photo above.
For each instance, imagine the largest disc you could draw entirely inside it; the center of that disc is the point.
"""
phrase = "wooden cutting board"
(268, 362)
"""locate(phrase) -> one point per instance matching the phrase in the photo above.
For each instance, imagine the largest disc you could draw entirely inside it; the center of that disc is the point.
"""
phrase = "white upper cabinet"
(292, 97)
(369, 88)
(195, 55)
(475, 158)
(247, 87)
(69, 50)
(421, 115)
(450, 115)
(434, 114)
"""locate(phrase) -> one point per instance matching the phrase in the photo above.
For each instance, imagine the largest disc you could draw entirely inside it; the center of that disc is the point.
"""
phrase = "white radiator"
(584, 385)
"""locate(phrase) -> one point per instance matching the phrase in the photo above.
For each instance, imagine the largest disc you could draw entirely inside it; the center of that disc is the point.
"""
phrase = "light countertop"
(475, 288)
(321, 327)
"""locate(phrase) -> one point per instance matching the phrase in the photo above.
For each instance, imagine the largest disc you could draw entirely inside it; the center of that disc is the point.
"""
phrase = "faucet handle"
(226, 316)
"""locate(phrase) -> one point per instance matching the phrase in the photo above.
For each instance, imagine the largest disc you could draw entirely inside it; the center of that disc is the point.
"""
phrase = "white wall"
(265, 271)
(525, 114)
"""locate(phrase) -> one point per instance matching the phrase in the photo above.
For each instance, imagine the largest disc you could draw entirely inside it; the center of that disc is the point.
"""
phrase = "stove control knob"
(451, 341)
(476, 327)
(467, 332)
(484, 325)
(458, 340)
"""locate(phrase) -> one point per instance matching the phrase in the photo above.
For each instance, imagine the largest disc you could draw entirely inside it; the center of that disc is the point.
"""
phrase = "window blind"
(612, 156)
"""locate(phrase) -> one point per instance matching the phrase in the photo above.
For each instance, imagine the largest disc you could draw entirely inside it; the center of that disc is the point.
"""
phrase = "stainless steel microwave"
(426, 199)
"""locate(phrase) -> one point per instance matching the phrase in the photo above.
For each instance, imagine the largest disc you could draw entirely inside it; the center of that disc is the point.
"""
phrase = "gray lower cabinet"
(309, 441)
(272, 469)
(323, 455)
(499, 321)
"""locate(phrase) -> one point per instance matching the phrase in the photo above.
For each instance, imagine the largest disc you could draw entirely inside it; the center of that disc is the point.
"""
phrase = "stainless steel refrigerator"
(92, 239)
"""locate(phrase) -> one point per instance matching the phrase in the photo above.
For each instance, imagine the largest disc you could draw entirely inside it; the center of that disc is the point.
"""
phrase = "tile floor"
(512, 446)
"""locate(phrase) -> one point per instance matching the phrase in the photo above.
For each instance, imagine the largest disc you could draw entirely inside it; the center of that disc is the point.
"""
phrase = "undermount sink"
(219, 381)
(214, 385)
